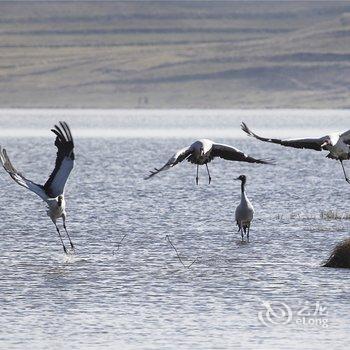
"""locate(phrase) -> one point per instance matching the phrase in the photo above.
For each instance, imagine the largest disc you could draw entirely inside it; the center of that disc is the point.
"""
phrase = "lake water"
(137, 294)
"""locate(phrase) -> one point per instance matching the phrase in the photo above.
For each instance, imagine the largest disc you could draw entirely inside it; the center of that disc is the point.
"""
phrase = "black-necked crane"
(244, 212)
(52, 192)
(201, 152)
(337, 144)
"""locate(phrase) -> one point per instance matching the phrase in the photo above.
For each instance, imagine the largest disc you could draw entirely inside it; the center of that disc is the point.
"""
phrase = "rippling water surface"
(137, 294)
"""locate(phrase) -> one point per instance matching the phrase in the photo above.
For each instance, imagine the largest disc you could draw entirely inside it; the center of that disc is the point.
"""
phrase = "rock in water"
(340, 256)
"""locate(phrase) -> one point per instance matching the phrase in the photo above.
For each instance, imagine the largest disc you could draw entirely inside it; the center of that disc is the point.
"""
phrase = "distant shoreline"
(178, 55)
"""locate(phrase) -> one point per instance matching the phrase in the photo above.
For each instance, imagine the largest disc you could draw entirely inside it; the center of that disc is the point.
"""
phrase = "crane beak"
(237, 178)
(324, 144)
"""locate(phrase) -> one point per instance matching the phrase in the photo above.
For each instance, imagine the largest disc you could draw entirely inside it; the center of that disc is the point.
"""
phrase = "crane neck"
(243, 187)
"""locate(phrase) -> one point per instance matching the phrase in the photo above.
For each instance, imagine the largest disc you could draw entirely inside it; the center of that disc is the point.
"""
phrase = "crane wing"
(19, 178)
(346, 137)
(231, 153)
(178, 157)
(309, 143)
(54, 186)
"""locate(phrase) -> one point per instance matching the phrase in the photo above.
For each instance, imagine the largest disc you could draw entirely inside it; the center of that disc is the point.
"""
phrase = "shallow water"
(139, 295)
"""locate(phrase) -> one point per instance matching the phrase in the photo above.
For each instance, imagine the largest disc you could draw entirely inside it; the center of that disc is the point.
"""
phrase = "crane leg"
(248, 230)
(245, 230)
(206, 164)
(241, 229)
(59, 234)
(65, 228)
(197, 175)
(346, 177)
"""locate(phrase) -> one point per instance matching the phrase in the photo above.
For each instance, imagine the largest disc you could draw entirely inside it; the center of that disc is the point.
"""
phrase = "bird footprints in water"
(178, 255)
